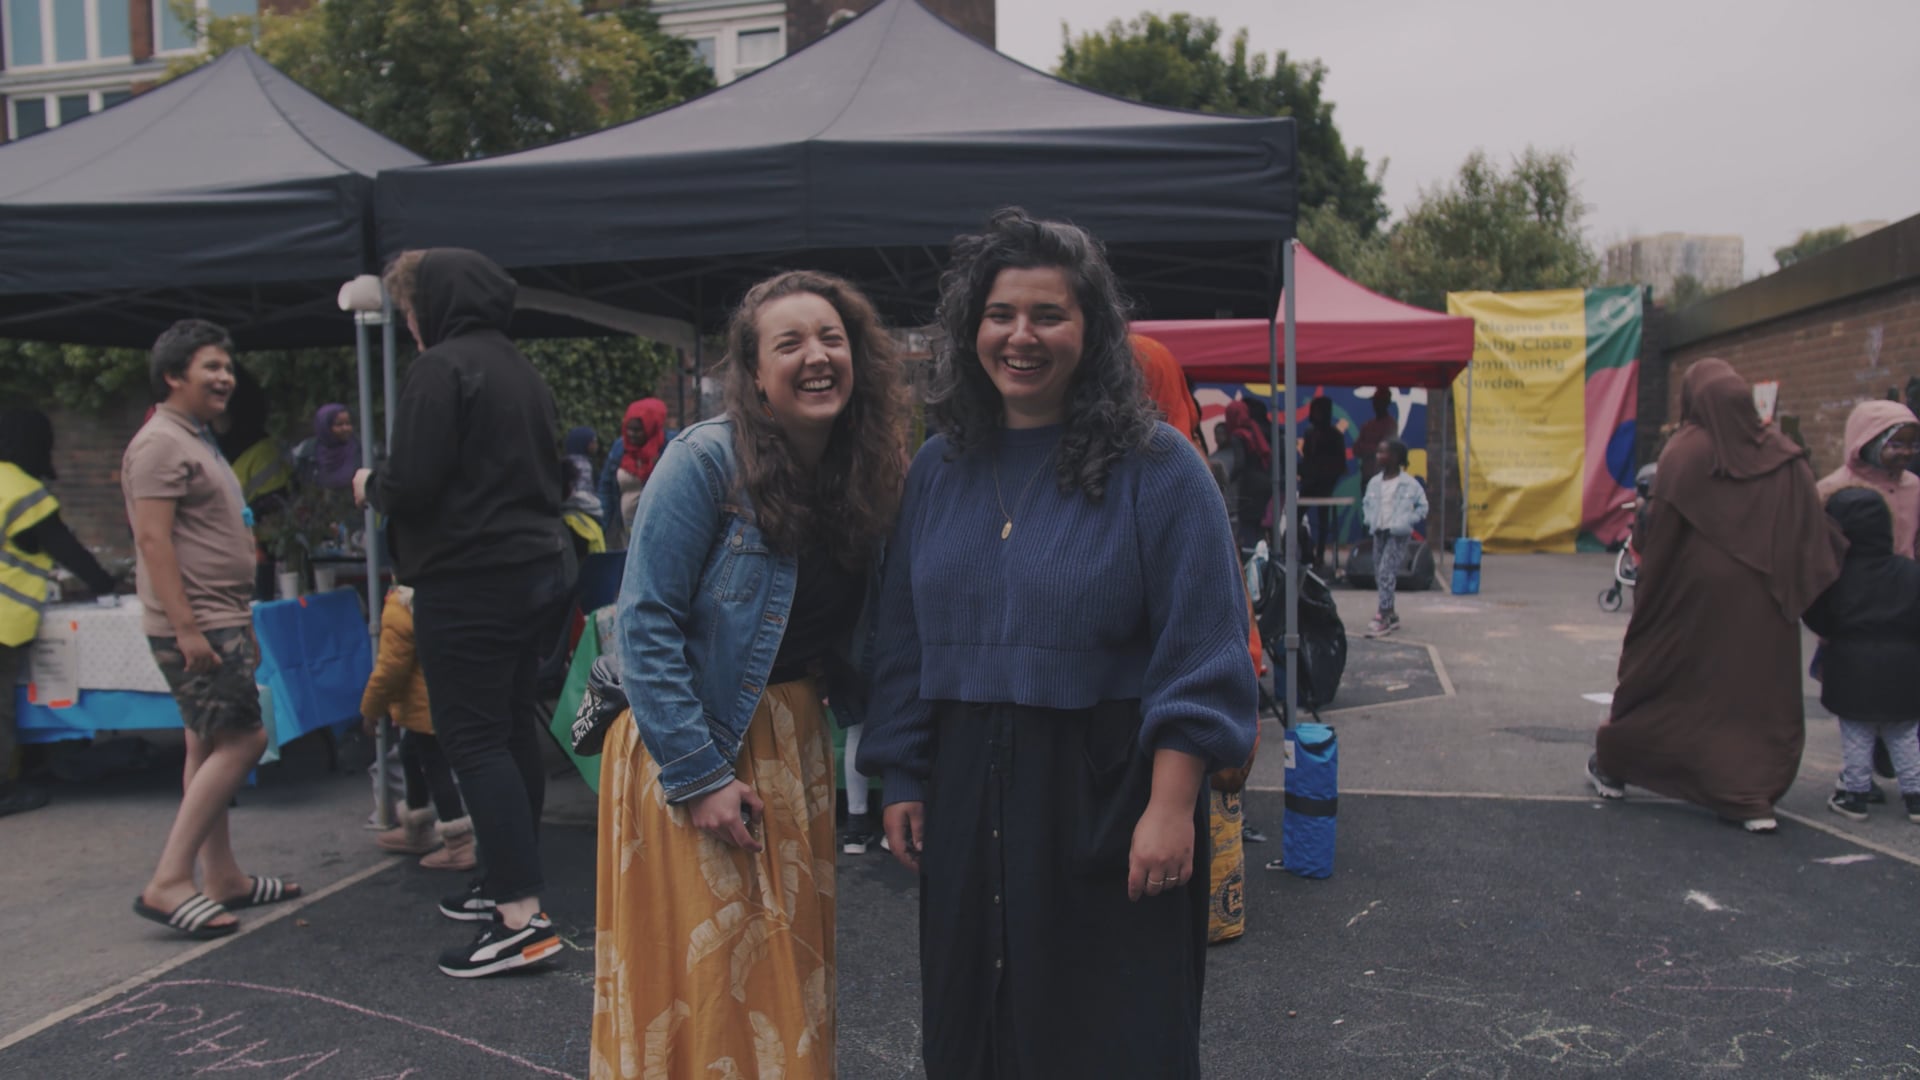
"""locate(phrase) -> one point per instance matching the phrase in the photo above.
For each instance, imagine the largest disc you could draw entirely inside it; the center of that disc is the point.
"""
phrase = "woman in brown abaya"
(1736, 548)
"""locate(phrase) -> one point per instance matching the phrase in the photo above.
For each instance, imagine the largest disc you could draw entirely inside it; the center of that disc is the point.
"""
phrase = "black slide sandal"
(193, 917)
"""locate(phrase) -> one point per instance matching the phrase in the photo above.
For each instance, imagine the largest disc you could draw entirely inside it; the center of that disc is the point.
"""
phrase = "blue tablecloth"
(314, 657)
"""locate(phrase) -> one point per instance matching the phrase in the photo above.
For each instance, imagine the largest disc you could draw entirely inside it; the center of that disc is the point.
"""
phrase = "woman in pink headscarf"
(1882, 440)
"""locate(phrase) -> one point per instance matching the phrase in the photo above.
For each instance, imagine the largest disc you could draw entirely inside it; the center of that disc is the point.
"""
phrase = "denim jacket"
(1394, 506)
(702, 611)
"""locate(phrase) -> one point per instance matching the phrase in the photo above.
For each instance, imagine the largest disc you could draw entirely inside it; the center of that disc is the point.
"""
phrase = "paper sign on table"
(54, 666)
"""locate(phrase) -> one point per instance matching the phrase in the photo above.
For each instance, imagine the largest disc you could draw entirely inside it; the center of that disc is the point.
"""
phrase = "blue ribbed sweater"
(1134, 597)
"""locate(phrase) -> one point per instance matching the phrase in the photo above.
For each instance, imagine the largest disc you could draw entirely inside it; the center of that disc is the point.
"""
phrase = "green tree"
(459, 79)
(1177, 61)
(1686, 290)
(1489, 228)
(1811, 243)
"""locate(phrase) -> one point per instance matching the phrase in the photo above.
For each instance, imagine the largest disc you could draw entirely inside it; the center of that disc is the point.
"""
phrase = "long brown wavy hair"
(849, 500)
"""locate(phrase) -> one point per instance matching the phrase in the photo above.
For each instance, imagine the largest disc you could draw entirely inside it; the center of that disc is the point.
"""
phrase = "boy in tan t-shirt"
(195, 575)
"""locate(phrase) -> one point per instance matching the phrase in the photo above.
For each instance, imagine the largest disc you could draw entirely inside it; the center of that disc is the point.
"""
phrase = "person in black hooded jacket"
(472, 490)
(1870, 619)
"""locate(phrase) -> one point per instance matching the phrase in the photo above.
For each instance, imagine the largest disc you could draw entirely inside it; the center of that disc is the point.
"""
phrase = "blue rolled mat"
(1312, 800)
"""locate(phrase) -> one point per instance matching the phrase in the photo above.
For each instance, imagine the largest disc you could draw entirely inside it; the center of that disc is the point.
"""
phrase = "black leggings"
(480, 637)
(429, 777)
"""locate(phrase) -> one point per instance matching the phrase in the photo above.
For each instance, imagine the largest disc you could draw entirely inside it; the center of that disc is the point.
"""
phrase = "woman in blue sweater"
(1059, 660)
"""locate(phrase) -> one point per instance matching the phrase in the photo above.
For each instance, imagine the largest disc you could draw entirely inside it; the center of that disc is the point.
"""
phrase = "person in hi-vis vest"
(35, 539)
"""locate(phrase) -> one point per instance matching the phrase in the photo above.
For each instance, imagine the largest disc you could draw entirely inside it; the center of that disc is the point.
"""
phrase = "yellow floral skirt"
(713, 962)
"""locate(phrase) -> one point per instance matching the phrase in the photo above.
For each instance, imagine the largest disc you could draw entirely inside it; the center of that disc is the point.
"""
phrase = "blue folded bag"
(1313, 798)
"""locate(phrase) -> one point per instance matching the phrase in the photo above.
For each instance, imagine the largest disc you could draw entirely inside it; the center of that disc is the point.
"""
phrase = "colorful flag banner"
(1555, 390)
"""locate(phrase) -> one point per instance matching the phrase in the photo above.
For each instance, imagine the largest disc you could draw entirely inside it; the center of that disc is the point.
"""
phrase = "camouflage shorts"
(217, 702)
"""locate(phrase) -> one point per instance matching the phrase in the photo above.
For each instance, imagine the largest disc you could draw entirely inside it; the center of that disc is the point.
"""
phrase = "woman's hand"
(1162, 855)
(728, 815)
(906, 826)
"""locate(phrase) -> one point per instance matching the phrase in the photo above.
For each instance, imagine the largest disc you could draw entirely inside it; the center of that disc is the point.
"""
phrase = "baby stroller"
(1626, 565)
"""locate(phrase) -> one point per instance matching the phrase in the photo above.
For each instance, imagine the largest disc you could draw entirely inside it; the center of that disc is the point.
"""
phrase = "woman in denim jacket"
(751, 551)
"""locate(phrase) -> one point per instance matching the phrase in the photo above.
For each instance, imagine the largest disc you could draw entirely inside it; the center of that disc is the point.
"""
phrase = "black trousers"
(429, 777)
(1033, 962)
(480, 636)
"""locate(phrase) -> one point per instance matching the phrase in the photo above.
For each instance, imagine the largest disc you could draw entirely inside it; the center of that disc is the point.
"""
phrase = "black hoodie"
(472, 481)
(1870, 618)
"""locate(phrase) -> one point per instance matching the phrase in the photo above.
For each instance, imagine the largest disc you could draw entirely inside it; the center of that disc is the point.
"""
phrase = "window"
(176, 36)
(46, 32)
(755, 49)
(116, 37)
(69, 30)
(23, 34)
(704, 49)
(29, 116)
(32, 115)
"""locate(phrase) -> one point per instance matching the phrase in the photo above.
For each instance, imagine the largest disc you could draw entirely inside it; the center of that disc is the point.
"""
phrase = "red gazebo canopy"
(1345, 335)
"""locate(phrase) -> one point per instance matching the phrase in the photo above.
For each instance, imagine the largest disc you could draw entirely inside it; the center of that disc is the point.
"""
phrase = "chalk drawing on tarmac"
(193, 1026)
(1677, 1011)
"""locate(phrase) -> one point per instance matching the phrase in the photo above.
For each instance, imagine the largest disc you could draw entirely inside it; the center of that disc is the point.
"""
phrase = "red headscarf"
(640, 458)
(1240, 423)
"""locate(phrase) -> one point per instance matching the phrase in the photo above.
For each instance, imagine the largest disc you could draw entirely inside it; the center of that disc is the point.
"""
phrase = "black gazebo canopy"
(866, 154)
(230, 193)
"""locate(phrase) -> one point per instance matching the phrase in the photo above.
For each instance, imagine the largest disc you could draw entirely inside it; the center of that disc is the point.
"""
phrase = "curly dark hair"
(1401, 454)
(849, 501)
(1108, 414)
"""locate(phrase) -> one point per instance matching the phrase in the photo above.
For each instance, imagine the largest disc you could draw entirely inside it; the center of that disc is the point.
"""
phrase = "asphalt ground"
(1457, 937)
(1486, 917)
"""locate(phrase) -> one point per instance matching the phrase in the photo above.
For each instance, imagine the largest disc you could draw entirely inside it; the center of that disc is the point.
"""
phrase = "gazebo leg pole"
(1291, 376)
(382, 797)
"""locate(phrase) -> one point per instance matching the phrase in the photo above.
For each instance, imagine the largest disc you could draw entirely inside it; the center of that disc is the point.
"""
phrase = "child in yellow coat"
(398, 689)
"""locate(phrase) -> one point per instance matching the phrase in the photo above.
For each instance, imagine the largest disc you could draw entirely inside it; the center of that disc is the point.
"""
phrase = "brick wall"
(86, 454)
(807, 19)
(1827, 360)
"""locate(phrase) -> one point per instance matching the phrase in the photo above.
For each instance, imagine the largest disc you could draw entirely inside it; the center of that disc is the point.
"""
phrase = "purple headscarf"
(335, 460)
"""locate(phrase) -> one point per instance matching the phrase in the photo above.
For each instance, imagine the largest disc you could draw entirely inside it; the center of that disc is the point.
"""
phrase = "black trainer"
(468, 906)
(497, 948)
(1603, 785)
(1849, 804)
(1913, 807)
(858, 834)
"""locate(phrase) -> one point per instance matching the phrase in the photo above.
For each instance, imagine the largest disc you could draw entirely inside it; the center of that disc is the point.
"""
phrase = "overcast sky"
(1755, 117)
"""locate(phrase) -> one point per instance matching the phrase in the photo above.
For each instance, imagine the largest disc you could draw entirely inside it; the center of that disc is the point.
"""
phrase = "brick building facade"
(86, 453)
(61, 60)
(1834, 330)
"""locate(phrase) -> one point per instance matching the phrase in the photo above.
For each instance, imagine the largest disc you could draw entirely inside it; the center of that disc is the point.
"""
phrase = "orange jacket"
(1167, 386)
(397, 687)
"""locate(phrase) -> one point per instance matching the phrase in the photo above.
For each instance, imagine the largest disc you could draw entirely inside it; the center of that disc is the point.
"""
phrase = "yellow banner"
(1529, 421)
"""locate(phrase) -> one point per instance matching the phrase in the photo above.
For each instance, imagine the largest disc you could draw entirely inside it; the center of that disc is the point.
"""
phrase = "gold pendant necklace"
(1006, 530)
